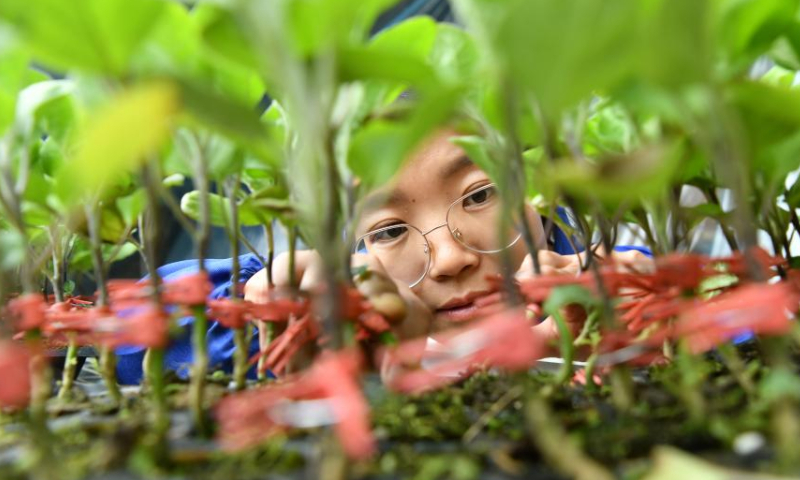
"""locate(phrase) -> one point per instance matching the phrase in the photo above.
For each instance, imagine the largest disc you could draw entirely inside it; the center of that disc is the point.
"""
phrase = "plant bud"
(390, 305)
(371, 284)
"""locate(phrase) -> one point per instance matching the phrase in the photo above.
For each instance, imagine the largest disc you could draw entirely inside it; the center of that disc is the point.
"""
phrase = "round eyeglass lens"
(474, 218)
(401, 249)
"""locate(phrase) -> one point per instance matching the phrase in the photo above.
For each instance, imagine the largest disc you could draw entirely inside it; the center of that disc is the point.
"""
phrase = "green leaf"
(563, 51)
(454, 54)
(670, 463)
(369, 63)
(112, 225)
(775, 103)
(69, 287)
(118, 138)
(81, 259)
(378, 150)
(224, 35)
(174, 180)
(793, 195)
(47, 108)
(778, 384)
(779, 77)
(12, 79)
(478, 151)
(223, 114)
(316, 25)
(36, 215)
(568, 295)
(131, 206)
(676, 42)
(747, 28)
(173, 46)
(95, 35)
(219, 208)
(13, 246)
(645, 173)
(223, 156)
(609, 130)
(414, 37)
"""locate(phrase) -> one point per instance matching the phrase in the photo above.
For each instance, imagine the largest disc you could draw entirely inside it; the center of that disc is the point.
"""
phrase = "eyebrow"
(396, 197)
(455, 166)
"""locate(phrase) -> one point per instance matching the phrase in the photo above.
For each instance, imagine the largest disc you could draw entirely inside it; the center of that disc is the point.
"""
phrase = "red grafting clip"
(190, 290)
(280, 351)
(278, 310)
(63, 318)
(15, 363)
(505, 340)
(762, 309)
(127, 293)
(359, 310)
(28, 312)
(228, 312)
(147, 327)
(326, 394)
(737, 262)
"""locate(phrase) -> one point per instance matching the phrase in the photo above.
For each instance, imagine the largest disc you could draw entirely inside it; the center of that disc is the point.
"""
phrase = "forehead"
(430, 176)
(435, 162)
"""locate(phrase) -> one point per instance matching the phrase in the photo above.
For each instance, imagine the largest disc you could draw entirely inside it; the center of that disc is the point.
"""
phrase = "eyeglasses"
(471, 219)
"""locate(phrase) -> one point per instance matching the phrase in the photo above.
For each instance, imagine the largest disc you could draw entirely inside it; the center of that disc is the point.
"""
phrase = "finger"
(312, 276)
(636, 261)
(280, 266)
(555, 259)
(550, 270)
(256, 289)
(526, 269)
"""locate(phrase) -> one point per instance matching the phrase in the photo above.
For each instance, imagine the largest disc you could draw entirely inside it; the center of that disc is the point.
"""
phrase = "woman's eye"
(479, 198)
(388, 235)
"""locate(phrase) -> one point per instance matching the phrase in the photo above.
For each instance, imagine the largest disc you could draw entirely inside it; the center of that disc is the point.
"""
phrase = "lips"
(462, 309)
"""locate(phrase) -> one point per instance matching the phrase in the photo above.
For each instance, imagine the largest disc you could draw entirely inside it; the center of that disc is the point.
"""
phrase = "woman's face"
(436, 175)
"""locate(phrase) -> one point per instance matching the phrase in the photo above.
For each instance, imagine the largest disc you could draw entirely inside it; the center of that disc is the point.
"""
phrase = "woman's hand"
(553, 263)
(413, 319)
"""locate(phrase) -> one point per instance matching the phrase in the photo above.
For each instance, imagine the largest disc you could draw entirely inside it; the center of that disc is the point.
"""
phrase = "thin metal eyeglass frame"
(425, 234)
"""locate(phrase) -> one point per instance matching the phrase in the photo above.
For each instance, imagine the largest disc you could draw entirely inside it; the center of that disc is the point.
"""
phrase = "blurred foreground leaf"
(94, 35)
(118, 138)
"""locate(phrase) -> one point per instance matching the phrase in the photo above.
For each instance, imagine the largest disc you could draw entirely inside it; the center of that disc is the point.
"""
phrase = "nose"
(449, 259)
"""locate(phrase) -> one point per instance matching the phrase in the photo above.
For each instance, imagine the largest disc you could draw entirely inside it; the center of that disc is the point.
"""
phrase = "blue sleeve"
(178, 356)
(561, 243)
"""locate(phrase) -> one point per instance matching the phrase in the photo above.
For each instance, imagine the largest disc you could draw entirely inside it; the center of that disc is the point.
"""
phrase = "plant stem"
(240, 357)
(517, 172)
(200, 360)
(266, 329)
(512, 394)
(266, 335)
(567, 349)
(556, 447)
(270, 234)
(292, 239)
(785, 417)
(732, 359)
(591, 364)
(57, 259)
(199, 368)
(153, 363)
(70, 364)
(107, 358)
(621, 388)
(154, 371)
(691, 380)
